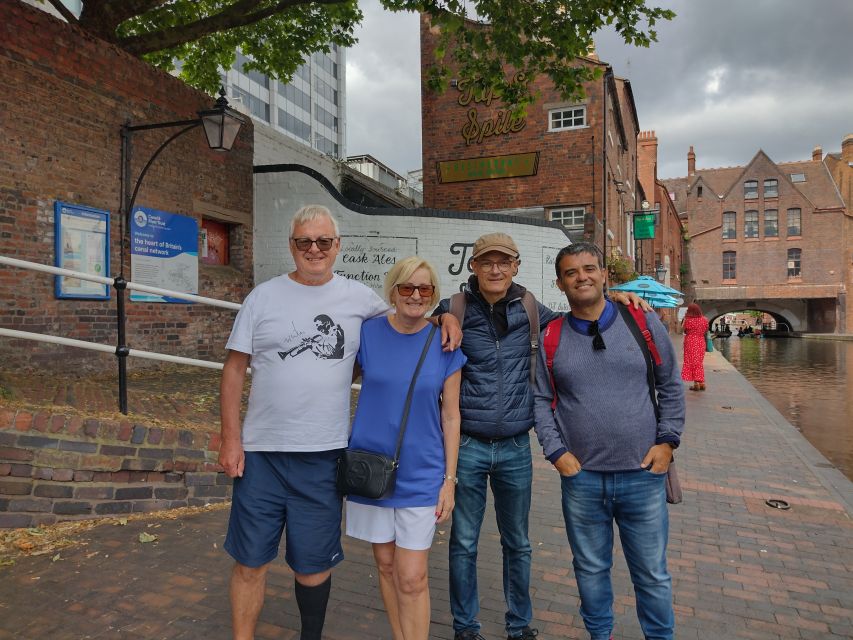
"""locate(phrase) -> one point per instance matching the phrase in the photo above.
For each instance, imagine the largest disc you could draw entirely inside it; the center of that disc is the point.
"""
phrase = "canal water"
(810, 382)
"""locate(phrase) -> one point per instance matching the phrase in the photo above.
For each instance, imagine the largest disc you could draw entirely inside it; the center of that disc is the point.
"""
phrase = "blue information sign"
(164, 253)
(82, 244)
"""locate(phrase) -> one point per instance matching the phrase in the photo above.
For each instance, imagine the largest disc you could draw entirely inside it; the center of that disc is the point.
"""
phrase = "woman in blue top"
(401, 527)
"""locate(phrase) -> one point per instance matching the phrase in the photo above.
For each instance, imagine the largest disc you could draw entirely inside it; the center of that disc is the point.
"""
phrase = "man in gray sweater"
(610, 446)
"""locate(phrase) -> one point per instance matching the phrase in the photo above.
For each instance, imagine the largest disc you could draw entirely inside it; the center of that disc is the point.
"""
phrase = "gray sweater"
(604, 415)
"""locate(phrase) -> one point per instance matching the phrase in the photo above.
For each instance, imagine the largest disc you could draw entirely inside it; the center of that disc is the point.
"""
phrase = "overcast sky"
(727, 76)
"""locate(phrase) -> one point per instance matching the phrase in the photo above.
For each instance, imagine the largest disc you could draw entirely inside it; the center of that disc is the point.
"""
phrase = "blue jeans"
(507, 466)
(636, 500)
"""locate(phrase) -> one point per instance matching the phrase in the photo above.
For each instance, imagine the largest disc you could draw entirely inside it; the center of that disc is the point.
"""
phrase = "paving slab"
(741, 569)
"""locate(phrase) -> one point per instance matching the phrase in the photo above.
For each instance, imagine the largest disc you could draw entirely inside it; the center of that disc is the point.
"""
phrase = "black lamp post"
(660, 273)
(221, 125)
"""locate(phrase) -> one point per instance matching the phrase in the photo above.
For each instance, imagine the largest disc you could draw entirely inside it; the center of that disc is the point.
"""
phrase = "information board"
(82, 244)
(163, 253)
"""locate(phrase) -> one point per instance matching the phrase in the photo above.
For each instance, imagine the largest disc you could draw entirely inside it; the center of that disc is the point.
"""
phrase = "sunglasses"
(304, 244)
(406, 290)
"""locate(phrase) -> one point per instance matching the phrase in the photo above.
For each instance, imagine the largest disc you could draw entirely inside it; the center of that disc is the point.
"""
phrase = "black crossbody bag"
(374, 475)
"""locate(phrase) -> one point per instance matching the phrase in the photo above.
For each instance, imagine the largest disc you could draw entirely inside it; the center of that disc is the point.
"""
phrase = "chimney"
(647, 161)
(691, 162)
(847, 148)
(817, 154)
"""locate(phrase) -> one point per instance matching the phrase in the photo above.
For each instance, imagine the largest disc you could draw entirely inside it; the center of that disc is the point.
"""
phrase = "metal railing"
(121, 350)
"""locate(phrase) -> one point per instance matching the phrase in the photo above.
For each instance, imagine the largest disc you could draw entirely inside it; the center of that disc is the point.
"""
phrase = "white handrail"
(36, 266)
(94, 346)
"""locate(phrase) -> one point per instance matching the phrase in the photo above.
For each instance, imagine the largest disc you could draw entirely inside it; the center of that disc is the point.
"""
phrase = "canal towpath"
(740, 568)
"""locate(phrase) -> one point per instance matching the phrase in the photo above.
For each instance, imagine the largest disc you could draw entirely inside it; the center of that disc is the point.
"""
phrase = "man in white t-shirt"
(300, 333)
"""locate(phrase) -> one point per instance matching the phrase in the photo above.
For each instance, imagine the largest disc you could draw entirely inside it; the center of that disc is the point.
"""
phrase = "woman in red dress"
(695, 326)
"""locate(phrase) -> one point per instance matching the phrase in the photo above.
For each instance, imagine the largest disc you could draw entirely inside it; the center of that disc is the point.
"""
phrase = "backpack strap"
(457, 306)
(550, 342)
(636, 321)
(528, 301)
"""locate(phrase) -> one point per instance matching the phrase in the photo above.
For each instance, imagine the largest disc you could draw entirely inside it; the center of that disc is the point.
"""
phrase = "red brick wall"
(571, 164)
(58, 467)
(65, 96)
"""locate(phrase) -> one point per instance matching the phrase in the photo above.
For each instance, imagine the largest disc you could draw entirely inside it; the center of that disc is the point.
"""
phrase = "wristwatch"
(453, 479)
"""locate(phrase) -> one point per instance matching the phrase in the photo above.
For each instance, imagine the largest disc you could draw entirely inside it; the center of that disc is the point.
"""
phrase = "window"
(798, 177)
(729, 228)
(296, 96)
(297, 127)
(771, 188)
(771, 223)
(794, 222)
(304, 72)
(750, 189)
(569, 218)
(750, 224)
(794, 262)
(326, 118)
(324, 145)
(256, 106)
(326, 90)
(567, 118)
(699, 192)
(240, 64)
(729, 265)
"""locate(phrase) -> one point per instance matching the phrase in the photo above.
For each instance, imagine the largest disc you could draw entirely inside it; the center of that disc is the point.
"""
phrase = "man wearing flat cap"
(496, 403)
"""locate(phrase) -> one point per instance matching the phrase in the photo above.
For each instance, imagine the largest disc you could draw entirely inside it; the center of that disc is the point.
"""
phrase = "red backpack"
(636, 321)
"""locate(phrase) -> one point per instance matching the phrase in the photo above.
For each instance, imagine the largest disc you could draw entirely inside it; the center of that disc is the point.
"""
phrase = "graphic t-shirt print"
(326, 341)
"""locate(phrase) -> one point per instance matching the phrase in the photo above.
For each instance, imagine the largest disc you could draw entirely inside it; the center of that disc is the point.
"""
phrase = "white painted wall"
(371, 243)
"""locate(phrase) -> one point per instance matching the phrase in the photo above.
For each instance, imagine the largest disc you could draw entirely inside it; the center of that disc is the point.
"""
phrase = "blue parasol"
(646, 285)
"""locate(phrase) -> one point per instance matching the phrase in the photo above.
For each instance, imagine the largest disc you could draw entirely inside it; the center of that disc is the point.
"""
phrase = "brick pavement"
(740, 568)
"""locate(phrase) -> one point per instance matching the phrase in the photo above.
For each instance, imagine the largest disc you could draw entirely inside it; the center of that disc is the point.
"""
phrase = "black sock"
(312, 602)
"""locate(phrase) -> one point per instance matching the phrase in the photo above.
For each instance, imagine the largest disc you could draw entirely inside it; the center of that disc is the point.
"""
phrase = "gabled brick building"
(770, 236)
(568, 161)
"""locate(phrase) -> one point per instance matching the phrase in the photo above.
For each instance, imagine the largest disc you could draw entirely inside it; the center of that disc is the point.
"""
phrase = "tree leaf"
(145, 537)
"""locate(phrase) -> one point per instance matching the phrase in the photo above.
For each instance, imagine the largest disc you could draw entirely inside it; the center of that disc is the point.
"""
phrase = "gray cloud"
(727, 76)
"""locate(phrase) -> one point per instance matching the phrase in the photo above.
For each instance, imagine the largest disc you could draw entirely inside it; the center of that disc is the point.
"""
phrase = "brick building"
(569, 161)
(769, 236)
(66, 95)
(666, 250)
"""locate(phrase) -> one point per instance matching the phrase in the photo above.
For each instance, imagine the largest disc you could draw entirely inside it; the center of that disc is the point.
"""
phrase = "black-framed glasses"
(486, 266)
(304, 244)
(406, 290)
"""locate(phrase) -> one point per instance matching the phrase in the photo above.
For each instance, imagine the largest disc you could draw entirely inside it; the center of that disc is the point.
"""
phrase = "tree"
(532, 37)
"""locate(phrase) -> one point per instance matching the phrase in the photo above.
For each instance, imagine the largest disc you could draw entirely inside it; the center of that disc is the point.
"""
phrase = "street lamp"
(221, 125)
(660, 273)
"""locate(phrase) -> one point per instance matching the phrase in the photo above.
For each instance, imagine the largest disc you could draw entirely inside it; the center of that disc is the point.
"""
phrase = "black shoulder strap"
(647, 354)
(528, 301)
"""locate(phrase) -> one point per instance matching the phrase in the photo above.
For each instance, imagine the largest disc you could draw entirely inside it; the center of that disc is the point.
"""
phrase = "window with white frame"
(771, 223)
(771, 188)
(795, 258)
(750, 189)
(566, 118)
(729, 228)
(729, 265)
(750, 224)
(571, 218)
(794, 222)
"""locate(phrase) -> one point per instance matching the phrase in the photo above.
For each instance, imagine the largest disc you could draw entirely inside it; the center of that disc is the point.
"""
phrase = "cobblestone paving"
(741, 569)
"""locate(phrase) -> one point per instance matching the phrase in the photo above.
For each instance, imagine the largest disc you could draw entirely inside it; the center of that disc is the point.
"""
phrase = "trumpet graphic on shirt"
(327, 343)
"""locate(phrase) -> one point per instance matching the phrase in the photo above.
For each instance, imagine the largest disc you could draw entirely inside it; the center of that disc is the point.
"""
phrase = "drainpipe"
(608, 74)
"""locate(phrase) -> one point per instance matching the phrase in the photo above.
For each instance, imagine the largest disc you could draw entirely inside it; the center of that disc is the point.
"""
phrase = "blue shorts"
(292, 492)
